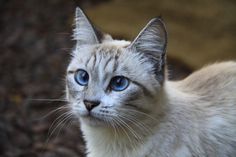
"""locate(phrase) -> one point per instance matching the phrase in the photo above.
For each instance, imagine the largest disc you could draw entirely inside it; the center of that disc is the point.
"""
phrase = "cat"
(127, 107)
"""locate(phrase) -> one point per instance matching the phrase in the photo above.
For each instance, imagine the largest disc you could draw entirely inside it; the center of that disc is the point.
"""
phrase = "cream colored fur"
(200, 120)
(152, 117)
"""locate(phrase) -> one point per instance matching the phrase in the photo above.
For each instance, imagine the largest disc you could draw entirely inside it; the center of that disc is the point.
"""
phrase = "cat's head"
(112, 81)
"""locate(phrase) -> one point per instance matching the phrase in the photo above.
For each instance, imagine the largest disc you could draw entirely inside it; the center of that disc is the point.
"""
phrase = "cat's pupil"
(119, 81)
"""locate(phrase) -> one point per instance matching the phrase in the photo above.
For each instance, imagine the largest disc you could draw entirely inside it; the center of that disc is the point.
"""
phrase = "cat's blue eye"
(81, 77)
(119, 83)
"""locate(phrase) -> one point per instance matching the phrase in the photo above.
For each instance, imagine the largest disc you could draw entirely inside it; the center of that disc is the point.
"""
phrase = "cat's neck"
(115, 141)
(120, 142)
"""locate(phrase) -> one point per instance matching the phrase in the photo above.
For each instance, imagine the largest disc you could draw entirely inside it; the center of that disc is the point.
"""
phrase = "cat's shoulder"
(214, 76)
(222, 69)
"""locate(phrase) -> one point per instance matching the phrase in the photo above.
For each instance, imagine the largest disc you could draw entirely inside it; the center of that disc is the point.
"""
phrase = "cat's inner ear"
(151, 43)
(85, 33)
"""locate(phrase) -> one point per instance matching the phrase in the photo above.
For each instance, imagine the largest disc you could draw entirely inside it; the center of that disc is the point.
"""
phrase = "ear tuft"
(84, 32)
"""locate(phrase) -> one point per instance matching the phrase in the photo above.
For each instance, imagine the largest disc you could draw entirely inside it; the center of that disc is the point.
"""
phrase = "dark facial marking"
(95, 59)
(145, 90)
(86, 64)
(116, 60)
(101, 56)
(132, 97)
(70, 72)
(108, 60)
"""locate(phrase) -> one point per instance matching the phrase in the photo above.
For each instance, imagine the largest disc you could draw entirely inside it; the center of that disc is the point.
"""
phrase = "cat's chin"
(93, 121)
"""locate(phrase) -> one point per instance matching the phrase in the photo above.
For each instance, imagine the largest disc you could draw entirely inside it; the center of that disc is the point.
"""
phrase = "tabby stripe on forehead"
(95, 59)
(100, 55)
(108, 60)
(145, 90)
(86, 64)
(116, 60)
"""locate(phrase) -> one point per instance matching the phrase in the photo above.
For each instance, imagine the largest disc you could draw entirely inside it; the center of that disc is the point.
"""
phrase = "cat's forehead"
(111, 47)
(103, 50)
(109, 56)
(116, 43)
(87, 54)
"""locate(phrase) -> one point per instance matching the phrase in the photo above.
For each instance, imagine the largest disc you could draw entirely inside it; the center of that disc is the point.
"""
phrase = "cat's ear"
(85, 33)
(151, 43)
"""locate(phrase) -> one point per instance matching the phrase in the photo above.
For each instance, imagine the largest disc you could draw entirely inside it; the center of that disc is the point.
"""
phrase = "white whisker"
(49, 100)
(54, 111)
(139, 112)
(139, 124)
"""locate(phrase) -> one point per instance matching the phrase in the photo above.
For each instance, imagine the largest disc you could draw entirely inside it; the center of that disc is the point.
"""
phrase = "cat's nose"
(90, 104)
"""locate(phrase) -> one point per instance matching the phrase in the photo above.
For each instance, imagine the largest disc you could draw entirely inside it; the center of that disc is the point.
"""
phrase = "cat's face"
(109, 81)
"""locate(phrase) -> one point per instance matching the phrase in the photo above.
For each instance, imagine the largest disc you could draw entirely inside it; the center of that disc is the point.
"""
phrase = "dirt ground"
(35, 42)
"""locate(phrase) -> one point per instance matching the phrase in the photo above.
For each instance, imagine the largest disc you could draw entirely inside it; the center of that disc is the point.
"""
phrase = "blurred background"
(35, 42)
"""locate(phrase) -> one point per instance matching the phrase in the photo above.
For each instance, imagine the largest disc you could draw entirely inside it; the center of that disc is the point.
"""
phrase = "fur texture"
(195, 117)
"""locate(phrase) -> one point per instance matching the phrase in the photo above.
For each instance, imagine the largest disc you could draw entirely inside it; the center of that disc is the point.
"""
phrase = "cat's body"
(151, 116)
(199, 121)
